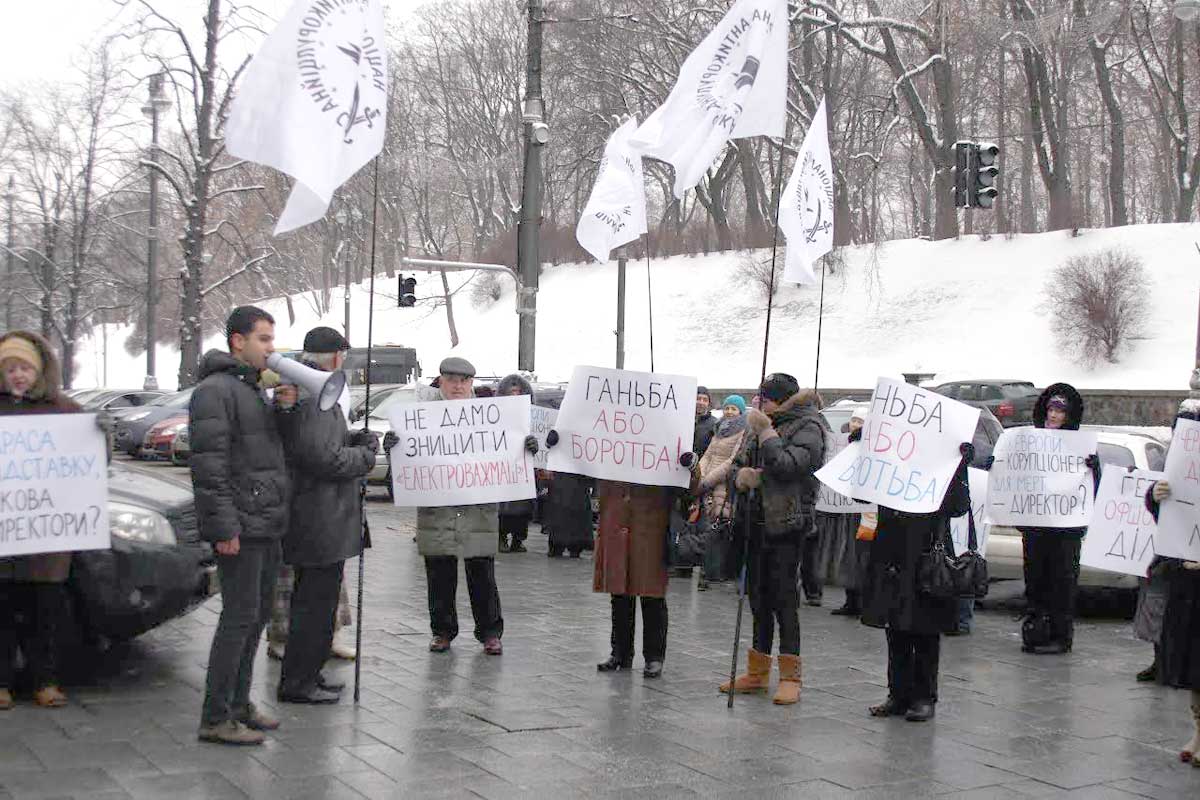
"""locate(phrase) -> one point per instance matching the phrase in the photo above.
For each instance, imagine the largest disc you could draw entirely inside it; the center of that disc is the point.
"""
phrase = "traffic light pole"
(531, 191)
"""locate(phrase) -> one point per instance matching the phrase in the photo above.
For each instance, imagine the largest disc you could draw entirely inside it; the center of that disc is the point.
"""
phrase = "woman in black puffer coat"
(514, 514)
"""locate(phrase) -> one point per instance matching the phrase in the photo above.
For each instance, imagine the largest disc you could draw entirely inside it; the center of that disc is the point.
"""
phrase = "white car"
(381, 425)
(1118, 449)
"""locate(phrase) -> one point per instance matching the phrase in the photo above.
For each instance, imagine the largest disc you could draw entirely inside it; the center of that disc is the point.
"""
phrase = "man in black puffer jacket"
(327, 465)
(241, 487)
(778, 490)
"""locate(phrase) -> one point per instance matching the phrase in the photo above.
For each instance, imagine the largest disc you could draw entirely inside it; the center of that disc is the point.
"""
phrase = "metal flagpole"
(650, 301)
(820, 323)
(362, 492)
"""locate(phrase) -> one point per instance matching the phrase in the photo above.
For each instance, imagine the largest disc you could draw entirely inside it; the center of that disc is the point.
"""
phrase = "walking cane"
(737, 627)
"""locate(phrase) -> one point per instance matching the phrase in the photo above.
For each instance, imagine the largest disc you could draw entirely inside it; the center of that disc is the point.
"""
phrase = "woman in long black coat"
(1179, 642)
(892, 599)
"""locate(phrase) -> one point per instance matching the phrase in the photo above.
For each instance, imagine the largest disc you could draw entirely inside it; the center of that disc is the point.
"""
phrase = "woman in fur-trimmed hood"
(777, 491)
(32, 587)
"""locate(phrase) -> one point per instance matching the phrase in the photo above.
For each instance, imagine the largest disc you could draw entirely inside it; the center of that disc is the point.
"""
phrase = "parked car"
(157, 568)
(1011, 401)
(130, 430)
(156, 445)
(114, 400)
(1116, 449)
(358, 398)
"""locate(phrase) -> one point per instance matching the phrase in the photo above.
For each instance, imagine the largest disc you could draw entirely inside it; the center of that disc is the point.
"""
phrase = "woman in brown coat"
(33, 598)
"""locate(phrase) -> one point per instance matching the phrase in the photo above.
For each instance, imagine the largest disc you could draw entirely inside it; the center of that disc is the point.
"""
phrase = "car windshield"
(1115, 454)
(1015, 391)
(403, 395)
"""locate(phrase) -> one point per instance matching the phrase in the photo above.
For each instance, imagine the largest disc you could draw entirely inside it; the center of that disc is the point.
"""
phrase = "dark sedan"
(157, 568)
(130, 431)
(1011, 401)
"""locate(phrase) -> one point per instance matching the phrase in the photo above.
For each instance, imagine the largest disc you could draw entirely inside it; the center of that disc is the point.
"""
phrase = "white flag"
(732, 86)
(616, 211)
(313, 102)
(806, 208)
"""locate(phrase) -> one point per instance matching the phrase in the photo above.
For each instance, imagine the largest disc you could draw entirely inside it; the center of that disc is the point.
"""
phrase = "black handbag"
(686, 539)
(940, 574)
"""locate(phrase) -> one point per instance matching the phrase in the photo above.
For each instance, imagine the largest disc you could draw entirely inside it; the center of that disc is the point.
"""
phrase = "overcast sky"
(39, 38)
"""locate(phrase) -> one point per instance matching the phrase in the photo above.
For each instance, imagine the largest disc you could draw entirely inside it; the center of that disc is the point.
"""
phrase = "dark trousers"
(310, 626)
(913, 666)
(810, 573)
(441, 576)
(1052, 579)
(247, 590)
(32, 617)
(514, 525)
(774, 598)
(654, 627)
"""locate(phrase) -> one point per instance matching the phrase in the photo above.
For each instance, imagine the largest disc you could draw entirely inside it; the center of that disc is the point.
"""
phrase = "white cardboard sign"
(830, 501)
(1179, 515)
(541, 421)
(461, 452)
(960, 531)
(908, 452)
(626, 426)
(1039, 479)
(53, 484)
(1121, 536)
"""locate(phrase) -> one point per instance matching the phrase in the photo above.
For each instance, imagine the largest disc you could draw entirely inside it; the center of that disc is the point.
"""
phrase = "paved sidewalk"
(541, 722)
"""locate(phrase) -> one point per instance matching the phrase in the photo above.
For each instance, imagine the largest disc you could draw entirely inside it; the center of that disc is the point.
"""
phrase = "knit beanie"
(735, 400)
(22, 348)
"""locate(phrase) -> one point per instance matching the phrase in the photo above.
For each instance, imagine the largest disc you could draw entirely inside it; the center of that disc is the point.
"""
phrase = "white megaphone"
(325, 386)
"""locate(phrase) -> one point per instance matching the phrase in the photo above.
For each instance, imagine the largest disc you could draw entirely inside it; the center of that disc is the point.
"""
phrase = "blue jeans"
(966, 613)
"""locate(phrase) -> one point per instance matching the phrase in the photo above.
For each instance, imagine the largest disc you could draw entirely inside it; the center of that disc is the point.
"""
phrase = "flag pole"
(774, 251)
(820, 322)
(650, 301)
(365, 540)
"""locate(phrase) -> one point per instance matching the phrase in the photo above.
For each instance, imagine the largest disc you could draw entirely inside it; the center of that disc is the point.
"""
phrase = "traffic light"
(408, 292)
(975, 173)
(983, 192)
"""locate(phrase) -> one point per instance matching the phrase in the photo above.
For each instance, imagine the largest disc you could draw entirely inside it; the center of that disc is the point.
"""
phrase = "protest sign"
(627, 426)
(960, 529)
(830, 501)
(541, 422)
(908, 452)
(1179, 515)
(53, 484)
(1039, 478)
(1121, 535)
(461, 452)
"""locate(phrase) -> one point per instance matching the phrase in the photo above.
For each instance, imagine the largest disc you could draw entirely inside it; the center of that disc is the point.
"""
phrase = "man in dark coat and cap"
(327, 464)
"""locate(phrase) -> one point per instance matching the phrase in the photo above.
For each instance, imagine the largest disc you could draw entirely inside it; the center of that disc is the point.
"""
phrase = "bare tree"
(1098, 303)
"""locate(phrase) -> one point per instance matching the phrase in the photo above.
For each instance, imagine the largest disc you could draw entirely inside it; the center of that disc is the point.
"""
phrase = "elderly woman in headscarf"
(34, 606)
(716, 475)
(514, 514)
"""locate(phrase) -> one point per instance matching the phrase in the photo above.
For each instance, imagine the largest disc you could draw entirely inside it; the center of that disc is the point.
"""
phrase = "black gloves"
(968, 451)
(855, 435)
(367, 439)
(531, 445)
(1092, 462)
(686, 460)
(551, 438)
(988, 462)
(389, 441)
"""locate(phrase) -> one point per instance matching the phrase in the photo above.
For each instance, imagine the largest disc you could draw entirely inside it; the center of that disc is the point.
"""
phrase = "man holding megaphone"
(326, 463)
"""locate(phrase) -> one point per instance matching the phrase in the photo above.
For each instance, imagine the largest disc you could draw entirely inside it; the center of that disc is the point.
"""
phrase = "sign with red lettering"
(461, 452)
(1121, 536)
(908, 452)
(1179, 516)
(626, 426)
(1040, 478)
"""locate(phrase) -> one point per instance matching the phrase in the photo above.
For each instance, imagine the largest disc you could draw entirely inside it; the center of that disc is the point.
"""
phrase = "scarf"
(731, 426)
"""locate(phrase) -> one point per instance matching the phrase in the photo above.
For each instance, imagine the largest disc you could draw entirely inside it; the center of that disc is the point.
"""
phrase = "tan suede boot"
(789, 681)
(757, 676)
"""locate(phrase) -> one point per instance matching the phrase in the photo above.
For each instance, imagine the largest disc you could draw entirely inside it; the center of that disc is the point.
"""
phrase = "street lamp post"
(8, 260)
(155, 105)
(536, 135)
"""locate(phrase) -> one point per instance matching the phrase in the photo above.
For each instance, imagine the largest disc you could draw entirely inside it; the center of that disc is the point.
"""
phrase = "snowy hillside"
(960, 309)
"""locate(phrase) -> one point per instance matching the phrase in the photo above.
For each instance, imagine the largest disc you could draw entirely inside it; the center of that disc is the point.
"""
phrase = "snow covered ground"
(960, 309)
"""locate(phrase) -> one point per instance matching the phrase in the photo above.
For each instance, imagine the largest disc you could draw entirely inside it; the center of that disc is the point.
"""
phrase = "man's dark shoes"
(229, 732)
(614, 664)
(256, 720)
(329, 685)
(921, 711)
(1149, 674)
(1051, 649)
(653, 669)
(315, 696)
(439, 644)
(846, 611)
(889, 708)
(815, 602)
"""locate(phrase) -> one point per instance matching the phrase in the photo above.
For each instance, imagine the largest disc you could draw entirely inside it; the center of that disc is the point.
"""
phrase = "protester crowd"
(279, 485)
